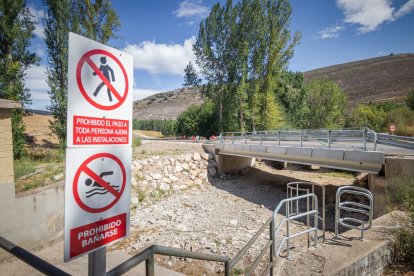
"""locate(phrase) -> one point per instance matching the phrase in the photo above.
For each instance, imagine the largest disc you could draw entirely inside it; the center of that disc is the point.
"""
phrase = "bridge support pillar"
(233, 164)
(395, 167)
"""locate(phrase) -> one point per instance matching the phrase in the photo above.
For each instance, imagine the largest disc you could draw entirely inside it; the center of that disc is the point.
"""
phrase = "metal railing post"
(364, 138)
(301, 138)
(272, 247)
(149, 266)
(245, 137)
(329, 138)
(233, 137)
(278, 137)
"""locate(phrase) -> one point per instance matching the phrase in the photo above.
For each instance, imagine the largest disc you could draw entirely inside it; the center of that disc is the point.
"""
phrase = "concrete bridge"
(384, 157)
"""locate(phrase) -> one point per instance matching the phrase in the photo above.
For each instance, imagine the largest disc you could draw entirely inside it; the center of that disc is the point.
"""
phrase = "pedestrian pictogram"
(98, 69)
(105, 69)
(99, 182)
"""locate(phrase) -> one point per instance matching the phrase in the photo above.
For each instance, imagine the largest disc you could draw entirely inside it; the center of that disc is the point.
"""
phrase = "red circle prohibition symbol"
(86, 58)
(85, 169)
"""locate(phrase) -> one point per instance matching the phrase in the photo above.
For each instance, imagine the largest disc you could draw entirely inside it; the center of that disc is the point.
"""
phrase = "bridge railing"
(325, 137)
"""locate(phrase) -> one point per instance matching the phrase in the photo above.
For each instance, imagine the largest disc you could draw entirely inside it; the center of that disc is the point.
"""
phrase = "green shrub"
(197, 120)
(136, 142)
(401, 197)
(410, 100)
(366, 116)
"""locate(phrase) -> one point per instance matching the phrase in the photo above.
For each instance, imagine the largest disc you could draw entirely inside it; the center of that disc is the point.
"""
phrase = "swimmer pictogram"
(92, 190)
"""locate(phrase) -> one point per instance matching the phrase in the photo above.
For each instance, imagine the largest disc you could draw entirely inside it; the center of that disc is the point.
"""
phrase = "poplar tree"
(97, 21)
(242, 50)
(16, 30)
(191, 78)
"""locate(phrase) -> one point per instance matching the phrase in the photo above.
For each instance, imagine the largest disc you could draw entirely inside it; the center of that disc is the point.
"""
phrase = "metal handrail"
(354, 207)
(147, 255)
(288, 219)
(30, 259)
(298, 187)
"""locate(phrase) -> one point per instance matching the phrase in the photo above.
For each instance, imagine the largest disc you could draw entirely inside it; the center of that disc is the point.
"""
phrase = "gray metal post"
(272, 247)
(301, 139)
(150, 266)
(278, 137)
(364, 138)
(329, 138)
(97, 262)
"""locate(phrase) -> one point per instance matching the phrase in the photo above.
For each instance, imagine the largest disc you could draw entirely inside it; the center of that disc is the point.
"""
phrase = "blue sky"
(159, 35)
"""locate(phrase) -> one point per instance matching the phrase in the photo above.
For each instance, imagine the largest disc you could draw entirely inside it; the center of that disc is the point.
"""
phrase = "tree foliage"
(366, 116)
(166, 127)
(16, 30)
(97, 21)
(325, 103)
(243, 50)
(191, 78)
(410, 100)
(198, 120)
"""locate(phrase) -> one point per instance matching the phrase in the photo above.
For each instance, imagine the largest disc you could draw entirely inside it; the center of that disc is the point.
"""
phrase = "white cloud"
(191, 8)
(141, 93)
(38, 16)
(370, 14)
(35, 80)
(162, 58)
(331, 32)
(405, 9)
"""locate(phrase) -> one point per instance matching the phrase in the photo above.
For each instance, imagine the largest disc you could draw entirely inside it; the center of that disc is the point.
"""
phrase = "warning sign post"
(98, 154)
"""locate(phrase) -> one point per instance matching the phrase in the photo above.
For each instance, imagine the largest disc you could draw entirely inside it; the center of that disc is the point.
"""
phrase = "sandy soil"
(38, 132)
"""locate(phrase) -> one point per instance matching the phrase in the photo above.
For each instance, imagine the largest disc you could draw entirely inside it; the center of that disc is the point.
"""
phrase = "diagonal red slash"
(100, 181)
(103, 78)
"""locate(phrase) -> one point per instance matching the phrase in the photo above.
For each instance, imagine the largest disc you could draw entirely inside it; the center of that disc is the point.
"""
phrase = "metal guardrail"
(147, 255)
(288, 219)
(353, 207)
(30, 259)
(325, 137)
(307, 188)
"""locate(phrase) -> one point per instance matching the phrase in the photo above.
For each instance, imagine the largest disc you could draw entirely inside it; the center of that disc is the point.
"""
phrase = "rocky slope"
(371, 80)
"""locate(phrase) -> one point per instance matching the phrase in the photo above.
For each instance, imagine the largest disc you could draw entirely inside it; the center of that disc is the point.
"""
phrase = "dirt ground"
(38, 132)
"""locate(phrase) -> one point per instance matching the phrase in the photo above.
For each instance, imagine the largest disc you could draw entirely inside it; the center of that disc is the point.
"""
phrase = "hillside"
(167, 105)
(371, 80)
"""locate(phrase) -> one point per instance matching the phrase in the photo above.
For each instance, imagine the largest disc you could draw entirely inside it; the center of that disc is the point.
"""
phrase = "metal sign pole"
(97, 262)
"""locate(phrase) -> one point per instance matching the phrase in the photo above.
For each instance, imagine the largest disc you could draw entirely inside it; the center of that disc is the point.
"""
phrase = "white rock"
(134, 201)
(148, 177)
(196, 156)
(198, 181)
(143, 183)
(172, 177)
(166, 180)
(159, 164)
(156, 157)
(178, 168)
(181, 227)
(172, 161)
(156, 176)
(234, 222)
(164, 186)
(150, 160)
(194, 172)
(187, 157)
(185, 167)
(134, 182)
(182, 187)
(144, 162)
(58, 177)
(204, 156)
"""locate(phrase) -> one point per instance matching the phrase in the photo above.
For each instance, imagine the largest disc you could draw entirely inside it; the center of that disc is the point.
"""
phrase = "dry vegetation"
(371, 80)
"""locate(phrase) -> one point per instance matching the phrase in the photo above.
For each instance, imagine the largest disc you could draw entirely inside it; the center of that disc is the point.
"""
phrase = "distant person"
(105, 69)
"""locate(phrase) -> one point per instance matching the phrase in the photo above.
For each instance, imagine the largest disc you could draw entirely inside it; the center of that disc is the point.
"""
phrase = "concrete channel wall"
(30, 219)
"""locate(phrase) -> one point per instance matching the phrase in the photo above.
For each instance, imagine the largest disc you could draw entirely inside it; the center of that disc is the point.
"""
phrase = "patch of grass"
(237, 271)
(39, 167)
(340, 174)
(23, 166)
(151, 133)
(401, 197)
(136, 142)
